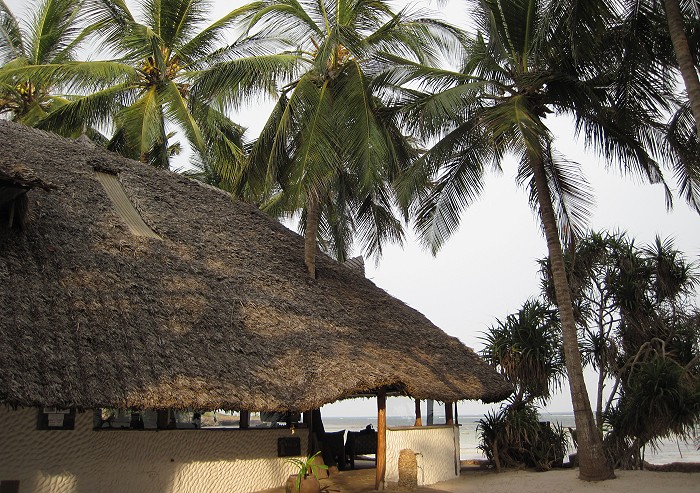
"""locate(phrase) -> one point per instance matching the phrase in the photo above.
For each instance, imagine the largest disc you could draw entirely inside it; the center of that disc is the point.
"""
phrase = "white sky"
(488, 268)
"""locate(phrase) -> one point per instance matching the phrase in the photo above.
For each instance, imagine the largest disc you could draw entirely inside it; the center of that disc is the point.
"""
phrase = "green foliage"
(164, 74)
(52, 34)
(514, 437)
(333, 140)
(526, 349)
(640, 327)
(306, 467)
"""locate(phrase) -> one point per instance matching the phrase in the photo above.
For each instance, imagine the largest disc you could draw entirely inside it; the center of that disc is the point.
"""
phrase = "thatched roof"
(217, 311)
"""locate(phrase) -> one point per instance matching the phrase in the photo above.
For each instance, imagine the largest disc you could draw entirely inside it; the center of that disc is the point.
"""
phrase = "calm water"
(669, 451)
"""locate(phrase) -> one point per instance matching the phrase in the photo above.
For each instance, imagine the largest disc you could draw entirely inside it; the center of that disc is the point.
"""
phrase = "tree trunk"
(593, 465)
(313, 213)
(676, 29)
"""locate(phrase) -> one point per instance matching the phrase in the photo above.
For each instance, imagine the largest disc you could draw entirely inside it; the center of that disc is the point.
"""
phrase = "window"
(172, 419)
(52, 418)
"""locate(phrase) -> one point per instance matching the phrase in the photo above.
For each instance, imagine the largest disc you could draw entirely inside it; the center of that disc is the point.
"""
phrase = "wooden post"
(449, 414)
(456, 414)
(419, 419)
(244, 423)
(310, 442)
(381, 440)
(430, 411)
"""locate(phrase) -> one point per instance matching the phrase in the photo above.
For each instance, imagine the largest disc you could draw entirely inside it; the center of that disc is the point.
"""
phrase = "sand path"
(566, 481)
(476, 480)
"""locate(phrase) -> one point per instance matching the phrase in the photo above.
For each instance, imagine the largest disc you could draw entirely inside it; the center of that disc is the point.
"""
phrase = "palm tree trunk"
(676, 29)
(593, 465)
(313, 213)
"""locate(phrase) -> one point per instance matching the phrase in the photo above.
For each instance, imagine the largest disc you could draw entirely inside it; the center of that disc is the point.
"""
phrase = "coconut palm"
(331, 147)
(656, 46)
(531, 59)
(51, 35)
(687, 60)
(159, 81)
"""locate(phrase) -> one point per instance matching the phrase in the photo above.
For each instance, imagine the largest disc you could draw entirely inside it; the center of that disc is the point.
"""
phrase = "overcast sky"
(488, 269)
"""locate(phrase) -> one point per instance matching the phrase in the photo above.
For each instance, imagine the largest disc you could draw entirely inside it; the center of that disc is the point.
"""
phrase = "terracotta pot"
(308, 484)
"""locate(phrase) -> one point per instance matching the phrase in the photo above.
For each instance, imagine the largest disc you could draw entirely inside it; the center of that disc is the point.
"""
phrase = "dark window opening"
(173, 419)
(53, 418)
(13, 206)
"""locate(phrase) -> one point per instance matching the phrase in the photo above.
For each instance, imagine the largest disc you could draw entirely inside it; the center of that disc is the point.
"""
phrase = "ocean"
(668, 451)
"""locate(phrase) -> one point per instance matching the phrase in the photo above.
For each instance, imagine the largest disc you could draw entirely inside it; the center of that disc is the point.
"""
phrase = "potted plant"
(306, 478)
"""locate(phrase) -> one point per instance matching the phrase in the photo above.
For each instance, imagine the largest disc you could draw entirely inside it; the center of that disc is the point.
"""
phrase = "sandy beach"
(477, 480)
(566, 481)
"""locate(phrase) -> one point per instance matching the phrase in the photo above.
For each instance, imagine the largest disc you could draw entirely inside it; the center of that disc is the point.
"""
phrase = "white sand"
(566, 481)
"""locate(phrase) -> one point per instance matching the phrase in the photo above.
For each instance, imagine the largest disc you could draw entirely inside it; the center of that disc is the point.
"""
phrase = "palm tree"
(52, 35)
(657, 372)
(687, 60)
(531, 59)
(160, 81)
(656, 47)
(526, 349)
(331, 148)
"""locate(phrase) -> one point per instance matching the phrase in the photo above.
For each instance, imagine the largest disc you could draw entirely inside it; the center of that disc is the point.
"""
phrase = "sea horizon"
(669, 450)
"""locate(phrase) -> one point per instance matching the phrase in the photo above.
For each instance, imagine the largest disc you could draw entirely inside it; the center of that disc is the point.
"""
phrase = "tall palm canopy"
(662, 40)
(530, 59)
(331, 148)
(52, 35)
(158, 84)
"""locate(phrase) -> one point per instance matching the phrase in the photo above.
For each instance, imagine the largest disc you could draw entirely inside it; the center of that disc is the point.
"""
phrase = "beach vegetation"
(155, 81)
(669, 29)
(525, 348)
(639, 329)
(514, 437)
(530, 60)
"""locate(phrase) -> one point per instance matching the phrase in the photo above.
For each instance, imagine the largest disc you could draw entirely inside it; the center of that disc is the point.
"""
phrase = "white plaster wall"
(438, 449)
(130, 461)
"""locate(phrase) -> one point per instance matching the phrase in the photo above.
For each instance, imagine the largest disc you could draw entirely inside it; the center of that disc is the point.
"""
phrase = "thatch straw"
(219, 313)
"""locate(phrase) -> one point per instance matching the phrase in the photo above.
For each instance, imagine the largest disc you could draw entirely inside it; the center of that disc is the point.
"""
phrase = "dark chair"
(360, 443)
(332, 449)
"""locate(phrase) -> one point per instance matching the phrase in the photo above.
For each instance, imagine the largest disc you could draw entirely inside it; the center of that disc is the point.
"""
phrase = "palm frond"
(93, 110)
(459, 160)
(11, 39)
(686, 155)
(571, 193)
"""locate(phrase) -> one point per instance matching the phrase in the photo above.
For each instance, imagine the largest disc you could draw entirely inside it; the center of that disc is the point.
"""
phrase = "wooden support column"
(419, 419)
(381, 440)
(244, 422)
(449, 414)
(309, 423)
(456, 414)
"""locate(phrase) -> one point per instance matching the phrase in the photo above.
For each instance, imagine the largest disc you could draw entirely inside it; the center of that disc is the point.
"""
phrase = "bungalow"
(136, 299)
